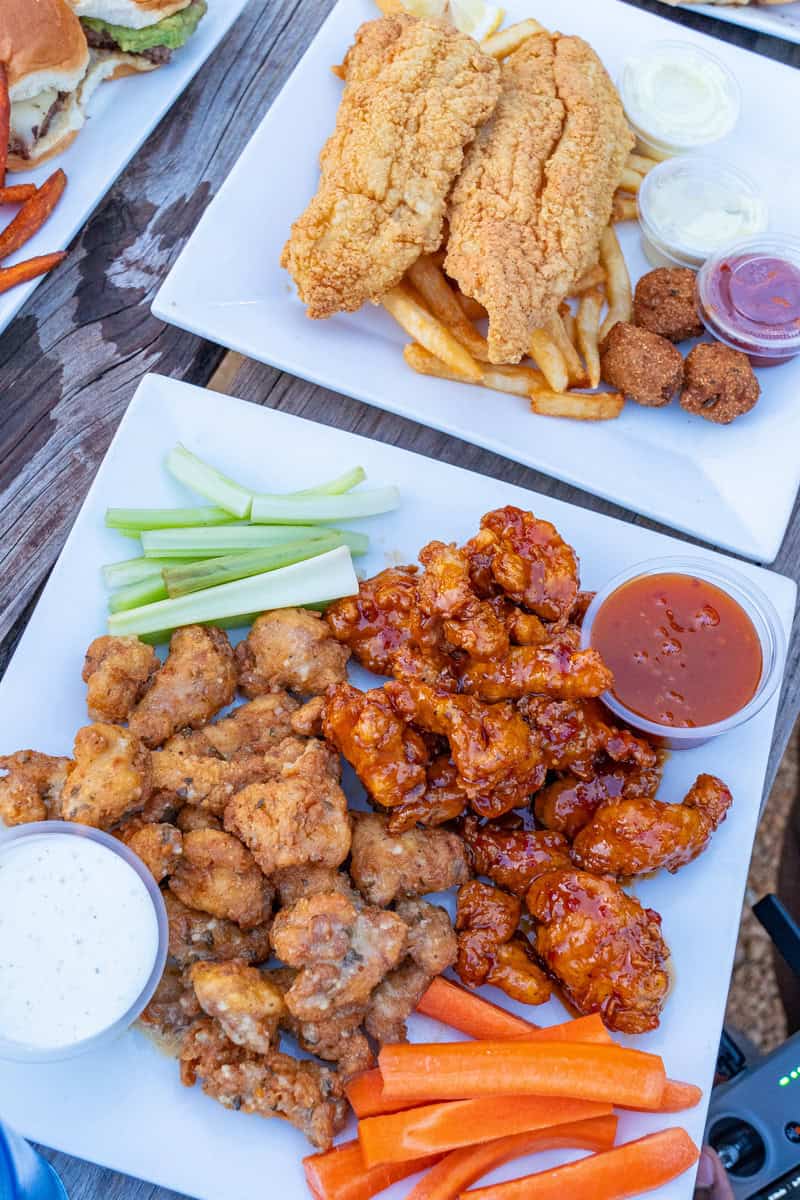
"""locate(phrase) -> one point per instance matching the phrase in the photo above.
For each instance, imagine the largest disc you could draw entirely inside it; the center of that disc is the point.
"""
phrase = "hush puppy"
(665, 303)
(640, 364)
(719, 383)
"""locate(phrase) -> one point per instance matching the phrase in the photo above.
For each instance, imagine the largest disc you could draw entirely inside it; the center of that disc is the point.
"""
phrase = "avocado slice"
(173, 32)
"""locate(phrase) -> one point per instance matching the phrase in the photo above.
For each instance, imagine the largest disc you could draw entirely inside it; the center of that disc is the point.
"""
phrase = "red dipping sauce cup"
(754, 604)
(748, 297)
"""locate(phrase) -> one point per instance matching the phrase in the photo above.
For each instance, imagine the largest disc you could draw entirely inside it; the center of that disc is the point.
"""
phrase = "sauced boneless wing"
(384, 866)
(489, 948)
(118, 671)
(569, 803)
(32, 786)
(217, 875)
(602, 947)
(198, 937)
(632, 835)
(415, 93)
(444, 799)
(110, 776)
(244, 1000)
(290, 648)
(512, 858)
(196, 681)
(445, 590)
(576, 734)
(557, 669)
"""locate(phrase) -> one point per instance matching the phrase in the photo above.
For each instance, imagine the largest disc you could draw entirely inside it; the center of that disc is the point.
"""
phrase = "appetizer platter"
(389, 506)
(83, 98)
(675, 464)
(779, 20)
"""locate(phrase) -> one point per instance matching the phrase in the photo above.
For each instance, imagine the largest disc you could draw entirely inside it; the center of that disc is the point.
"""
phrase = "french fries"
(578, 406)
(641, 164)
(473, 308)
(22, 272)
(630, 180)
(5, 123)
(442, 302)
(576, 372)
(618, 281)
(549, 359)
(32, 215)
(592, 278)
(520, 381)
(430, 333)
(506, 41)
(588, 323)
(625, 208)
(17, 193)
(568, 321)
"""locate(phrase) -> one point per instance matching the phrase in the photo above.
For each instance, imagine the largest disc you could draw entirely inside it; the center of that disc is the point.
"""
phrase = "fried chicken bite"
(306, 721)
(217, 875)
(512, 858)
(208, 782)
(388, 757)
(665, 302)
(272, 1085)
(118, 671)
(602, 947)
(311, 879)
(244, 1000)
(196, 681)
(384, 866)
(192, 816)
(576, 734)
(431, 942)
(110, 777)
(299, 817)
(32, 786)
(559, 669)
(640, 364)
(569, 803)
(489, 948)
(634, 835)
(719, 383)
(198, 937)
(254, 728)
(393, 1002)
(341, 952)
(444, 799)
(159, 846)
(172, 1009)
(445, 591)
(290, 648)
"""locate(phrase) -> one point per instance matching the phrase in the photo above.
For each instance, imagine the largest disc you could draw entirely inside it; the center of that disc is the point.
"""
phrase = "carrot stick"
(32, 215)
(437, 1128)
(16, 193)
(677, 1096)
(5, 122)
(479, 1018)
(628, 1170)
(462, 1070)
(30, 269)
(365, 1093)
(340, 1173)
(461, 1168)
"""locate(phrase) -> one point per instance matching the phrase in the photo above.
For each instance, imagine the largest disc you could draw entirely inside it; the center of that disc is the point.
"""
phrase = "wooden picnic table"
(72, 359)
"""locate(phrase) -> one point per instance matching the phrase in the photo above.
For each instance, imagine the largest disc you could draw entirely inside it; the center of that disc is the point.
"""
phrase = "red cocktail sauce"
(683, 652)
(752, 301)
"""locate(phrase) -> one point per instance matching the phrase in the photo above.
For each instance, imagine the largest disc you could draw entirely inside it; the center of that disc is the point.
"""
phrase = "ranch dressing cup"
(678, 97)
(83, 940)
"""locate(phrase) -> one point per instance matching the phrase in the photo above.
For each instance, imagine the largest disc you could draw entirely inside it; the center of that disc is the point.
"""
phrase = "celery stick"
(328, 577)
(222, 540)
(137, 594)
(165, 518)
(208, 482)
(290, 510)
(337, 486)
(136, 570)
(194, 577)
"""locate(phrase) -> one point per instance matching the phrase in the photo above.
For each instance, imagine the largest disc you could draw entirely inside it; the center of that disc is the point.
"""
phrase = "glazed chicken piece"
(444, 799)
(32, 786)
(499, 763)
(341, 952)
(172, 1009)
(272, 1085)
(254, 728)
(159, 846)
(110, 776)
(244, 1000)
(217, 875)
(299, 817)
(196, 681)
(118, 671)
(393, 1002)
(557, 669)
(191, 817)
(339, 1038)
(198, 937)
(602, 947)
(388, 757)
(576, 734)
(384, 866)
(290, 648)
(489, 948)
(634, 835)
(445, 591)
(311, 879)
(569, 803)
(512, 858)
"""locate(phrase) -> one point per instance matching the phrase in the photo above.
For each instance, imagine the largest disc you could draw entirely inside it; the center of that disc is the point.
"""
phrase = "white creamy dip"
(78, 939)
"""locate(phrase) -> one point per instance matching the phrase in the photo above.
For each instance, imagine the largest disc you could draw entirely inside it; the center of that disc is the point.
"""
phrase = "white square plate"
(122, 115)
(124, 1106)
(780, 20)
(733, 486)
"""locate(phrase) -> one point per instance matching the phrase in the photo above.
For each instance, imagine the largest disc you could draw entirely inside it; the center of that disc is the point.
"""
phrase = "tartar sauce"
(78, 939)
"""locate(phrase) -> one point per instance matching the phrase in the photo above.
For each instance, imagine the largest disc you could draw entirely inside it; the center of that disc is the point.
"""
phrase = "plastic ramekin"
(759, 609)
(22, 1052)
(652, 132)
(706, 182)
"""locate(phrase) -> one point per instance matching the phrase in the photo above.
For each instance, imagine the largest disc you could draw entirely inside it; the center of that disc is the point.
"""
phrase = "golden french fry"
(630, 180)
(618, 281)
(473, 308)
(549, 359)
(518, 380)
(506, 41)
(390, 7)
(625, 208)
(441, 300)
(430, 333)
(641, 164)
(592, 278)
(576, 372)
(425, 363)
(603, 406)
(588, 322)
(568, 321)
(438, 257)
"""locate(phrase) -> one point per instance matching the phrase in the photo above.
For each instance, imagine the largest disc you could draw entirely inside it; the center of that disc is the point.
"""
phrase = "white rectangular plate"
(780, 20)
(679, 469)
(124, 1107)
(122, 115)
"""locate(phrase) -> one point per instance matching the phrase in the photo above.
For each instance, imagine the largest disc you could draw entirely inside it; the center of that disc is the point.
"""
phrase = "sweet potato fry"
(549, 359)
(32, 215)
(618, 281)
(506, 41)
(30, 269)
(578, 406)
(588, 323)
(594, 277)
(473, 308)
(625, 208)
(429, 281)
(430, 333)
(17, 193)
(630, 180)
(5, 123)
(576, 372)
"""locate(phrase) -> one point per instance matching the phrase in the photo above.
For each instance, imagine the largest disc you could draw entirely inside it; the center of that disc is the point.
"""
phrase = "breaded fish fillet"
(415, 93)
(537, 188)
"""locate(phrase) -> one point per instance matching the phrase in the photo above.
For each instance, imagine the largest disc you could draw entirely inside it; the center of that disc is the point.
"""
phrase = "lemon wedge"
(476, 17)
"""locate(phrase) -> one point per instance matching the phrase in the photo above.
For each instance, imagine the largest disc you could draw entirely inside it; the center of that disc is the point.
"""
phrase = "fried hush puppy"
(719, 383)
(640, 364)
(665, 302)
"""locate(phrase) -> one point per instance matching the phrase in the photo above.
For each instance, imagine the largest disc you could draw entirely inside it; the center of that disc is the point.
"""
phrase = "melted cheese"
(27, 115)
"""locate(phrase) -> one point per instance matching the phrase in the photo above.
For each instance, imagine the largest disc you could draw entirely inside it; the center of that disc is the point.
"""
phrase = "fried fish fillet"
(416, 91)
(537, 188)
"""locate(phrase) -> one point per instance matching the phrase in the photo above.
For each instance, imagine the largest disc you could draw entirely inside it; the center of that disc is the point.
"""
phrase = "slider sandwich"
(146, 32)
